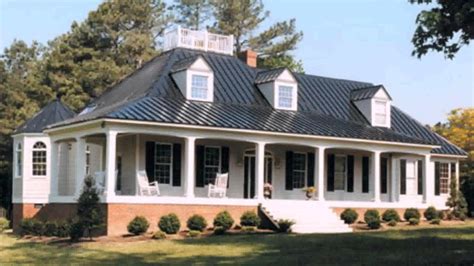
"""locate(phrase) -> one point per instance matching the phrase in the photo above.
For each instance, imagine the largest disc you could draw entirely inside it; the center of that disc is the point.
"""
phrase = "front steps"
(309, 216)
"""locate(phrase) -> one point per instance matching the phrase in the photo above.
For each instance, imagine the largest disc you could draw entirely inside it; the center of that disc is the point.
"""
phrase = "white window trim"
(345, 172)
(170, 164)
(305, 171)
(387, 104)
(294, 96)
(210, 85)
(219, 170)
(45, 149)
(449, 179)
(19, 158)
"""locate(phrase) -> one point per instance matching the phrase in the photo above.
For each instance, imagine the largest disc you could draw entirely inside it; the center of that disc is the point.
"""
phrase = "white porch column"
(457, 175)
(259, 169)
(80, 164)
(110, 155)
(189, 168)
(54, 169)
(321, 168)
(428, 179)
(376, 168)
(393, 179)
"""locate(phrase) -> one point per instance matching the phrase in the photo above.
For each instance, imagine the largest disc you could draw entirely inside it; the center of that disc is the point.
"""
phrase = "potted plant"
(310, 191)
(267, 190)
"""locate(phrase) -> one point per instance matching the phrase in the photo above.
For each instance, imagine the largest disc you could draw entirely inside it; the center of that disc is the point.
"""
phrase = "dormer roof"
(185, 63)
(367, 93)
(269, 75)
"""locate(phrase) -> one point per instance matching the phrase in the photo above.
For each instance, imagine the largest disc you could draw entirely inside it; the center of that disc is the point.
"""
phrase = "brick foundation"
(361, 211)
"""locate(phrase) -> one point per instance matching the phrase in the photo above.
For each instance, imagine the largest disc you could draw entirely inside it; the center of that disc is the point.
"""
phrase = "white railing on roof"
(200, 40)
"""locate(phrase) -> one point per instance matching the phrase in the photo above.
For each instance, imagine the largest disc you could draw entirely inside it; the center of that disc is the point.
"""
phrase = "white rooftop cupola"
(280, 88)
(198, 40)
(375, 104)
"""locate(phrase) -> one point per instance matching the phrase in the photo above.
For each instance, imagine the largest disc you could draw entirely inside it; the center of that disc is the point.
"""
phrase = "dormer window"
(199, 87)
(374, 103)
(194, 78)
(279, 87)
(380, 112)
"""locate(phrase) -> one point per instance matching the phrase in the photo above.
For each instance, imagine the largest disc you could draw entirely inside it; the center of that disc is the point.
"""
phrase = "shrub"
(62, 229)
(411, 213)
(223, 220)
(249, 218)
(249, 228)
(138, 225)
(349, 216)
(436, 221)
(414, 221)
(219, 230)
(26, 226)
(392, 223)
(372, 218)
(38, 228)
(285, 225)
(391, 215)
(76, 231)
(4, 224)
(196, 223)
(431, 213)
(159, 235)
(50, 229)
(441, 215)
(194, 233)
(169, 224)
(89, 213)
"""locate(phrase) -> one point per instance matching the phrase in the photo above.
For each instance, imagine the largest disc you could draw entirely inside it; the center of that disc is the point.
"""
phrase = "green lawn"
(439, 245)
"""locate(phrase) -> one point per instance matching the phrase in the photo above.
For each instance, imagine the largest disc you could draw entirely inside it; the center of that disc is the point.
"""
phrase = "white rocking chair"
(219, 189)
(146, 188)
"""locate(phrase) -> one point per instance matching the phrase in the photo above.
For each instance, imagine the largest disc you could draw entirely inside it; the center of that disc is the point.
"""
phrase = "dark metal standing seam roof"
(325, 106)
(367, 93)
(52, 113)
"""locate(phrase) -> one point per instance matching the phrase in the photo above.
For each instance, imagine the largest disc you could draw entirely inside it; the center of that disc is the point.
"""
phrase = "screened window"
(444, 178)
(19, 160)
(212, 157)
(299, 170)
(380, 112)
(285, 96)
(39, 159)
(199, 88)
(340, 171)
(88, 160)
(163, 162)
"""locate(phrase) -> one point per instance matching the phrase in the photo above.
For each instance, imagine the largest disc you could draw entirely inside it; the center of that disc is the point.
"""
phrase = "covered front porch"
(184, 162)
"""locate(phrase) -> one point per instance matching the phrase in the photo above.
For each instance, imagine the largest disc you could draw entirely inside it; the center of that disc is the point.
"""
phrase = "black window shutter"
(420, 177)
(225, 162)
(176, 165)
(310, 181)
(403, 177)
(289, 170)
(150, 160)
(199, 166)
(350, 173)
(383, 175)
(437, 177)
(365, 174)
(330, 172)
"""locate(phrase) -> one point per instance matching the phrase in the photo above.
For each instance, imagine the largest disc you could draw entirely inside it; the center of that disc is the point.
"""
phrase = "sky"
(362, 40)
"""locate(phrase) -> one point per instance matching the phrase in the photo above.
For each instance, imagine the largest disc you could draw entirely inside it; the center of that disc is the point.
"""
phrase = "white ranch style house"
(199, 130)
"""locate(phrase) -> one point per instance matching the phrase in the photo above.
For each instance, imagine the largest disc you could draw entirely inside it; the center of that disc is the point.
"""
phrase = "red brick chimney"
(249, 57)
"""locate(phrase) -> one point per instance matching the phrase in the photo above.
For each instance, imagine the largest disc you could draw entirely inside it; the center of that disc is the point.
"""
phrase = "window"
(88, 160)
(299, 170)
(199, 88)
(212, 160)
(285, 96)
(19, 160)
(380, 112)
(340, 171)
(39, 159)
(163, 163)
(444, 178)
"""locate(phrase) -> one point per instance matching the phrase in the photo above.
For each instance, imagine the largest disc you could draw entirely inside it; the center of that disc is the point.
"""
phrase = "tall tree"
(242, 18)
(446, 27)
(192, 14)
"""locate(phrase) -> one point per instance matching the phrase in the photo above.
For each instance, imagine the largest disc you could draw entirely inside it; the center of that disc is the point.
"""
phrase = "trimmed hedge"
(414, 221)
(169, 224)
(390, 215)
(138, 225)
(4, 224)
(249, 218)
(431, 213)
(372, 218)
(50, 229)
(411, 213)
(196, 223)
(223, 220)
(349, 216)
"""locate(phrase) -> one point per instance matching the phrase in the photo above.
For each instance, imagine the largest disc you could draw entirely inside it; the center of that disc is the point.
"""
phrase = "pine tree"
(89, 213)
(456, 201)
(242, 18)
(192, 14)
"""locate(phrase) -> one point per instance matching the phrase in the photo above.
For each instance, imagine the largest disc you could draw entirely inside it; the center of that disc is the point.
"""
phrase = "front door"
(249, 175)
